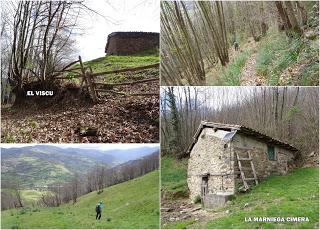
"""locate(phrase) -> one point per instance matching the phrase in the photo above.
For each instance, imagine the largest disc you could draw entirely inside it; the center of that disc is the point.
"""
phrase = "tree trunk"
(292, 17)
(283, 15)
(303, 14)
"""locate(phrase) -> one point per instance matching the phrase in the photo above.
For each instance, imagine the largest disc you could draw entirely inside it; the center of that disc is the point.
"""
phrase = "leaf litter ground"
(117, 118)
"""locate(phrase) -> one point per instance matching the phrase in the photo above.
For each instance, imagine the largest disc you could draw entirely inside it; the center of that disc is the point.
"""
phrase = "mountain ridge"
(45, 164)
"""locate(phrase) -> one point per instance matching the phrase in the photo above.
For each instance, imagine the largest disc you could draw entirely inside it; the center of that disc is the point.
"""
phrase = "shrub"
(232, 74)
(269, 51)
(290, 56)
(23, 211)
(310, 75)
(197, 199)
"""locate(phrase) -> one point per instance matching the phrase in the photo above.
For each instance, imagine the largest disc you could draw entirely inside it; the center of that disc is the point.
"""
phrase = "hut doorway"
(204, 186)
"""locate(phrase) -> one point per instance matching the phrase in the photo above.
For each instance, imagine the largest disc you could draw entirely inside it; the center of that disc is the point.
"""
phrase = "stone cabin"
(217, 153)
(127, 43)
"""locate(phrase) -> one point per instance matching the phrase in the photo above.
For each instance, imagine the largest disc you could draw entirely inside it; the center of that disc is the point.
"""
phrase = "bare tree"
(75, 187)
(40, 41)
(288, 17)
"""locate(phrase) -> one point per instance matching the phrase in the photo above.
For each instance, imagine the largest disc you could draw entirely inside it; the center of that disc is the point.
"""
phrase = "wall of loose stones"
(216, 157)
(264, 167)
(210, 156)
(120, 44)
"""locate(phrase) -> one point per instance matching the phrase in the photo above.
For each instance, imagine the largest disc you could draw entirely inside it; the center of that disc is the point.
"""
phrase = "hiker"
(99, 207)
(236, 46)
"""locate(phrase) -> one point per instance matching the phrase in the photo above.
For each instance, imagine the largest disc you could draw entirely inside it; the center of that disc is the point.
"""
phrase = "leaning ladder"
(244, 178)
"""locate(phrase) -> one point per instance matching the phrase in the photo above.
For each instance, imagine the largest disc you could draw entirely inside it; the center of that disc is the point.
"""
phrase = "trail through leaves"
(249, 76)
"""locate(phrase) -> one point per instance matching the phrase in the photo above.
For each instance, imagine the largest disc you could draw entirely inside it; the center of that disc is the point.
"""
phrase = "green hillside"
(132, 204)
(174, 177)
(293, 195)
(114, 62)
(45, 165)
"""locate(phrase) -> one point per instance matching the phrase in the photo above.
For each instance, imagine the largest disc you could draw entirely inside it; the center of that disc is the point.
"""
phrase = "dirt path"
(249, 76)
(183, 210)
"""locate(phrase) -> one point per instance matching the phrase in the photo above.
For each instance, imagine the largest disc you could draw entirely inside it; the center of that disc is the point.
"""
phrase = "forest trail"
(249, 76)
(249, 73)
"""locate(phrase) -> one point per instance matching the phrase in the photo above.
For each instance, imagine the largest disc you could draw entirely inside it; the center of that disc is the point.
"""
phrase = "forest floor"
(274, 60)
(249, 74)
(117, 118)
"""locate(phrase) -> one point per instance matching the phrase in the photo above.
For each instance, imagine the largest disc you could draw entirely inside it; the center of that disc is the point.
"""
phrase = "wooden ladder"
(244, 178)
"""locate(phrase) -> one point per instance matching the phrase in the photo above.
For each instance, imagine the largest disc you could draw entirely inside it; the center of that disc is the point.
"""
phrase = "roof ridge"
(243, 128)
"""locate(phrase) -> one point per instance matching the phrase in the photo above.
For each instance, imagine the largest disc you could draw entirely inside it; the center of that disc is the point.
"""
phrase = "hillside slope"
(132, 204)
(118, 116)
(42, 165)
(293, 195)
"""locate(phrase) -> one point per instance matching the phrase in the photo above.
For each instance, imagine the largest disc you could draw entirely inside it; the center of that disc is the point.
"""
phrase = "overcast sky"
(119, 15)
(87, 146)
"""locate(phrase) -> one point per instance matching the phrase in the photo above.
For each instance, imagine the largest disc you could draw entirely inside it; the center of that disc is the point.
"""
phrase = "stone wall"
(211, 156)
(127, 43)
(215, 157)
(263, 166)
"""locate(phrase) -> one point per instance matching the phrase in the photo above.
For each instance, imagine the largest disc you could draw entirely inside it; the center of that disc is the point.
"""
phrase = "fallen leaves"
(118, 119)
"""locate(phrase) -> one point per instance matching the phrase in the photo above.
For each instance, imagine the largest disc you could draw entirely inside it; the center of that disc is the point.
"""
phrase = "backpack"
(98, 208)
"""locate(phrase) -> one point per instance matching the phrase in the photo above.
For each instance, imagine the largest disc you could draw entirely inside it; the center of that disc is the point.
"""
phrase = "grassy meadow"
(114, 62)
(293, 195)
(132, 204)
(174, 177)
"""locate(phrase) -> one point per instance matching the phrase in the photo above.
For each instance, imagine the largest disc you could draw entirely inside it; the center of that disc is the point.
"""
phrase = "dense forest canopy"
(289, 114)
(197, 36)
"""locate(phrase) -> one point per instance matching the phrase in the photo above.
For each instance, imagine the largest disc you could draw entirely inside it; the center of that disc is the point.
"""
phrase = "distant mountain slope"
(45, 164)
(132, 204)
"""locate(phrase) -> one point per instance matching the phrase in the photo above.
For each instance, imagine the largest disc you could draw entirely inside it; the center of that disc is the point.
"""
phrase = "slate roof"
(239, 129)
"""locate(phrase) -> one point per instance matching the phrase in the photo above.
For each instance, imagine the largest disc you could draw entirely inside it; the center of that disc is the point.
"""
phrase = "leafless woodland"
(290, 114)
(198, 35)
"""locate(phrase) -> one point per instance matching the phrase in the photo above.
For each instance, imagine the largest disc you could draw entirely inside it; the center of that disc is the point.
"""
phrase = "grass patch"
(310, 75)
(294, 195)
(231, 75)
(277, 53)
(132, 204)
(270, 48)
(29, 196)
(114, 62)
(174, 176)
